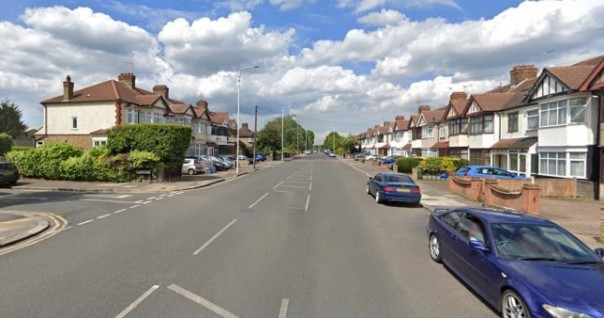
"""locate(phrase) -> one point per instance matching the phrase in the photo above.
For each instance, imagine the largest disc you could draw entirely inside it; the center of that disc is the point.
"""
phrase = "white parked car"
(372, 157)
(191, 166)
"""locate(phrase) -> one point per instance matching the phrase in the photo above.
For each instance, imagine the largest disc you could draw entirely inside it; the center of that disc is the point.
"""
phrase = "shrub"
(6, 143)
(21, 148)
(405, 165)
(168, 141)
(437, 165)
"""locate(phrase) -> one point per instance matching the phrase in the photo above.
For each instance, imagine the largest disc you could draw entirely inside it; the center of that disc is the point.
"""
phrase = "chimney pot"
(162, 90)
(67, 88)
(459, 96)
(244, 125)
(400, 117)
(202, 104)
(423, 108)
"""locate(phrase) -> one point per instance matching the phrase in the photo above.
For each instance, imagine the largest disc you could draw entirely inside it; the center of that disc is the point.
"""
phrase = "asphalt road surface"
(299, 240)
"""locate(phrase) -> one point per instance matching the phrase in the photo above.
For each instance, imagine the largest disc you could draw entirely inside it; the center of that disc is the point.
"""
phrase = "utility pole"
(297, 134)
(282, 133)
(255, 134)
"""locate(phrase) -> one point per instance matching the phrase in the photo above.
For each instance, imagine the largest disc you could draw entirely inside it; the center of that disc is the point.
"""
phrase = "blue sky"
(343, 64)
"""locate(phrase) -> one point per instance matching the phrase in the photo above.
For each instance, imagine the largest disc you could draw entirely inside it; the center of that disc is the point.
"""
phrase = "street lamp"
(238, 106)
(283, 131)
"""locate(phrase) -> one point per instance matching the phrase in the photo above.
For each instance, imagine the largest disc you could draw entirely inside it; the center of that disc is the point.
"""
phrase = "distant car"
(390, 160)
(394, 187)
(371, 157)
(360, 156)
(8, 173)
(332, 155)
(487, 172)
(219, 164)
(227, 164)
(260, 157)
(522, 265)
(308, 152)
(227, 159)
(191, 166)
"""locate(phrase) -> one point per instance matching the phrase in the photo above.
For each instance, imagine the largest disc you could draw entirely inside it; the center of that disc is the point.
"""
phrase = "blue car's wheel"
(378, 197)
(513, 306)
(434, 247)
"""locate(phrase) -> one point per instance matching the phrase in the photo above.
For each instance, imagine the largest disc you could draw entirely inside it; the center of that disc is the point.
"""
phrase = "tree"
(269, 137)
(333, 139)
(10, 119)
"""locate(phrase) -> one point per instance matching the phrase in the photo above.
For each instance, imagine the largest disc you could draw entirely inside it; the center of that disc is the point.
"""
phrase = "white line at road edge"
(202, 301)
(103, 216)
(135, 206)
(307, 203)
(283, 309)
(119, 211)
(258, 201)
(147, 202)
(290, 177)
(278, 184)
(213, 238)
(85, 222)
(137, 302)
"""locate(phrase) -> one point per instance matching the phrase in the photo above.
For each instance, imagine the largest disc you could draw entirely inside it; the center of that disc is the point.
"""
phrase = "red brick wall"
(83, 142)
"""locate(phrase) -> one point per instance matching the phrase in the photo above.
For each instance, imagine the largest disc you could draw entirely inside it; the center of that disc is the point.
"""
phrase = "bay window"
(427, 132)
(559, 163)
(563, 112)
(481, 125)
(132, 117)
(532, 117)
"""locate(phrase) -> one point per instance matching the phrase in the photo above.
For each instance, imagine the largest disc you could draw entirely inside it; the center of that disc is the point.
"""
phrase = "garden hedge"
(6, 143)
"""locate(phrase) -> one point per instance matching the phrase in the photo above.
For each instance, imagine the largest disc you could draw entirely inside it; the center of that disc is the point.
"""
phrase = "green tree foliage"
(295, 136)
(405, 165)
(168, 141)
(6, 143)
(10, 119)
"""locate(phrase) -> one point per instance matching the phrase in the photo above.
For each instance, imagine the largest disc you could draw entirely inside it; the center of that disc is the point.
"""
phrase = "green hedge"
(61, 161)
(6, 143)
(21, 148)
(406, 164)
(437, 165)
(168, 141)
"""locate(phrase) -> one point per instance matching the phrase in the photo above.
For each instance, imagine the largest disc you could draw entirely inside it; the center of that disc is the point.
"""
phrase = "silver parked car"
(191, 166)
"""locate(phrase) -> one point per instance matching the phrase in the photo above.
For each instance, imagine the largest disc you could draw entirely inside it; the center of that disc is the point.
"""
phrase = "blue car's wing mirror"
(600, 252)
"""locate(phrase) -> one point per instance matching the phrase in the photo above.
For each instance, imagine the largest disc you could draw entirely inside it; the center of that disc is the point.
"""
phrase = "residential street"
(301, 239)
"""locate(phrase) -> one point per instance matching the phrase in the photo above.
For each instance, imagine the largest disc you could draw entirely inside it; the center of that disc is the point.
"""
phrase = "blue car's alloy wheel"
(434, 247)
(378, 197)
(512, 306)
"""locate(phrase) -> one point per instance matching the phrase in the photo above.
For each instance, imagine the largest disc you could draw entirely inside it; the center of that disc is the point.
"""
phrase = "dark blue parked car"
(487, 172)
(394, 187)
(522, 265)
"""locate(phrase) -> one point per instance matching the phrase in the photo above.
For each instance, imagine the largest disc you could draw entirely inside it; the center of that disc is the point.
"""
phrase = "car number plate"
(403, 190)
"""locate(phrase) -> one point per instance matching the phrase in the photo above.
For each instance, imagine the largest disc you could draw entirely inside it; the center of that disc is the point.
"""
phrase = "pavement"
(16, 227)
(579, 216)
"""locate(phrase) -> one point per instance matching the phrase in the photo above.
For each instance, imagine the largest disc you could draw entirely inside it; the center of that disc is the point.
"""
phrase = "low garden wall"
(494, 192)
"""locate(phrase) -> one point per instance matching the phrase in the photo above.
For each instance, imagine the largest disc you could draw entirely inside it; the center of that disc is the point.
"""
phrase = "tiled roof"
(440, 145)
(383, 130)
(402, 125)
(106, 91)
(489, 102)
(515, 143)
(219, 117)
(437, 115)
(147, 100)
(99, 132)
(179, 108)
(407, 147)
(386, 146)
(245, 132)
(414, 119)
(572, 76)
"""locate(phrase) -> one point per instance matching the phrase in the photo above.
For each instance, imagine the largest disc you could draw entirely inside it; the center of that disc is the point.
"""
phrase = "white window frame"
(442, 134)
(132, 116)
(99, 141)
(427, 132)
(532, 114)
(566, 160)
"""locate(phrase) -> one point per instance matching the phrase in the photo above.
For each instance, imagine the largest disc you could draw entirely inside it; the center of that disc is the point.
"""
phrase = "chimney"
(128, 79)
(244, 125)
(423, 108)
(202, 104)
(67, 88)
(459, 96)
(162, 90)
(400, 117)
(386, 124)
(522, 72)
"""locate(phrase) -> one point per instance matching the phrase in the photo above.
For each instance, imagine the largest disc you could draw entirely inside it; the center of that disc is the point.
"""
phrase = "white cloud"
(206, 46)
(382, 18)
(367, 5)
(285, 5)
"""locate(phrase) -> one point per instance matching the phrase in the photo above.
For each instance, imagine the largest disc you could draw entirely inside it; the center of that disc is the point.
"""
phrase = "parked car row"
(521, 265)
(195, 164)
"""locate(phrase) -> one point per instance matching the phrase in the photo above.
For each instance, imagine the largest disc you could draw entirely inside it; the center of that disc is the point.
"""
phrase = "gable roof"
(245, 132)
(489, 102)
(414, 120)
(435, 116)
(401, 125)
(219, 117)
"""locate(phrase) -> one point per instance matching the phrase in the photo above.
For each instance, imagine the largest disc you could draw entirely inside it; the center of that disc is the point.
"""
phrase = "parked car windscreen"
(6, 166)
(397, 179)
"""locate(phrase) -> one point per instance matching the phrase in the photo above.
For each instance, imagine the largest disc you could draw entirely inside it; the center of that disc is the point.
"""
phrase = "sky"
(343, 65)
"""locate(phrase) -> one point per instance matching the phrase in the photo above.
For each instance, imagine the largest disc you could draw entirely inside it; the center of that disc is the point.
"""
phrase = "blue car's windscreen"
(539, 242)
(398, 179)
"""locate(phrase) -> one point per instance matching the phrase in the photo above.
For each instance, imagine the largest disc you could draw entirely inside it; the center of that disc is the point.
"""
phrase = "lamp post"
(238, 106)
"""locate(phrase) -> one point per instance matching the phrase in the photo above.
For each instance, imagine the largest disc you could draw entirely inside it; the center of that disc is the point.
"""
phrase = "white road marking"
(163, 195)
(137, 302)
(103, 216)
(214, 237)
(202, 301)
(160, 198)
(283, 309)
(181, 192)
(150, 198)
(169, 195)
(293, 186)
(282, 191)
(289, 177)
(110, 196)
(311, 177)
(139, 201)
(111, 201)
(147, 202)
(135, 206)
(85, 222)
(258, 201)
(307, 203)
(278, 184)
(119, 211)
(310, 186)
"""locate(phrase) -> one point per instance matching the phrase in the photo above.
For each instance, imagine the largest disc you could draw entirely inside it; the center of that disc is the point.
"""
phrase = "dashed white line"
(103, 216)
(289, 177)
(278, 184)
(181, 192)
(169, 195)
(85, 222)
(202, 301)
(307, 203)
(310, 186)
(283, 309)
(258, 201)
(147, 202)
(135, 206)
(150, 198)
(139, 201)
(137, 302)
(160, 198)
(119, 211)
(214, 237)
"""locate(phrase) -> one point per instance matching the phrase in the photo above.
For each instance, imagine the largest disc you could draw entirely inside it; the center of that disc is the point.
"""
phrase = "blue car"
(524, 266)
(487, 172)
(394, 187)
